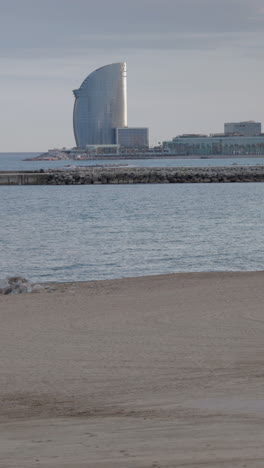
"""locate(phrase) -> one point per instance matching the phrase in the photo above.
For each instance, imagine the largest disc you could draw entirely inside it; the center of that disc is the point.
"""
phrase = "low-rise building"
(132, 137)
(102, 149)
(249, 128)
(215, 145)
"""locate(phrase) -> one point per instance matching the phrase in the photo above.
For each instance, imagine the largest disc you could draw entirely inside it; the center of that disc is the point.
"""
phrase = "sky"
(191, 64)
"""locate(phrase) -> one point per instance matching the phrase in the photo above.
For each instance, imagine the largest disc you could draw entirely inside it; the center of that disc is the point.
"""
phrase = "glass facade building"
(100, 106)
(132, 137)
(249, 128)
(215, 145)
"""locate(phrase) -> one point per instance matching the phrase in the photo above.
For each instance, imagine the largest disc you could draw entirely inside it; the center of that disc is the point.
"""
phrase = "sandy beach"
(163, 371)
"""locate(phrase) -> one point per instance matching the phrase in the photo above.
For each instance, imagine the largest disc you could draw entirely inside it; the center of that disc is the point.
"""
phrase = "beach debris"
(18, 285)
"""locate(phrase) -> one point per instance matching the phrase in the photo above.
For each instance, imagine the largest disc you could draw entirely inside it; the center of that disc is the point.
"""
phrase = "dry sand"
(163, 371)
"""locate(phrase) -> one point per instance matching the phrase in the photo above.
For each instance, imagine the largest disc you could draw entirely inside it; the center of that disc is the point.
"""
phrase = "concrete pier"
(135, 175)
(23, 178)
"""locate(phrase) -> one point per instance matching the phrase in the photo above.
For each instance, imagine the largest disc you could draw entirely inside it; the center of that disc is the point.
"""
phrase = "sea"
(90, 232)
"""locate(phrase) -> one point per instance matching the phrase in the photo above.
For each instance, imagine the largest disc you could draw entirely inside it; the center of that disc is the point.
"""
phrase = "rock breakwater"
(135, 175)
(155, 175)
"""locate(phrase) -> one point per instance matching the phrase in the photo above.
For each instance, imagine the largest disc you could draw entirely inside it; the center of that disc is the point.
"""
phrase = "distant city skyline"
(192, 65)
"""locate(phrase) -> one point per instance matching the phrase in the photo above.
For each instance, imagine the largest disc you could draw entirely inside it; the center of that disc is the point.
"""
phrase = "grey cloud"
(60, 24)
(94, 44)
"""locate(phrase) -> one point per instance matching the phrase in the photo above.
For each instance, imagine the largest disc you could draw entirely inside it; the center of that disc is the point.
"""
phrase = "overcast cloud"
(192, 64)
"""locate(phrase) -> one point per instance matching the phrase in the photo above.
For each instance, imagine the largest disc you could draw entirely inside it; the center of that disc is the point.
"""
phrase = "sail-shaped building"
(100, 106)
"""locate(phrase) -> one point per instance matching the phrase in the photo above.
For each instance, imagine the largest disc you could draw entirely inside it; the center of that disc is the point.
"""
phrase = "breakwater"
(135, 175)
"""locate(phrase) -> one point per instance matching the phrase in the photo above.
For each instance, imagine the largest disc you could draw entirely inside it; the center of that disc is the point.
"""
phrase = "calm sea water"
(14, 161)
(70, 233)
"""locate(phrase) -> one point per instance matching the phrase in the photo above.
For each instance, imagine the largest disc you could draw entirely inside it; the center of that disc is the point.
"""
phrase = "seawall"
(23, 178)
(138, 175)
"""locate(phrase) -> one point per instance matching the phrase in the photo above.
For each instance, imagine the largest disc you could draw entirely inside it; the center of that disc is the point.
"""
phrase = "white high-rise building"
(101, 106)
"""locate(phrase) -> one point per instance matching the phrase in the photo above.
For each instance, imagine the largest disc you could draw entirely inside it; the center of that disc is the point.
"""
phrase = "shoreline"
(64, 285)
(161, 276)
(162, 156)
(162, 370)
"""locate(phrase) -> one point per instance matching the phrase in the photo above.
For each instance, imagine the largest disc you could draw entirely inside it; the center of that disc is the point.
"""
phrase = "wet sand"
(163, 371)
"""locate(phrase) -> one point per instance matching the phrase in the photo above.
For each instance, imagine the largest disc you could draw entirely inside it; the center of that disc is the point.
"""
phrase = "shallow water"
(77, 233)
